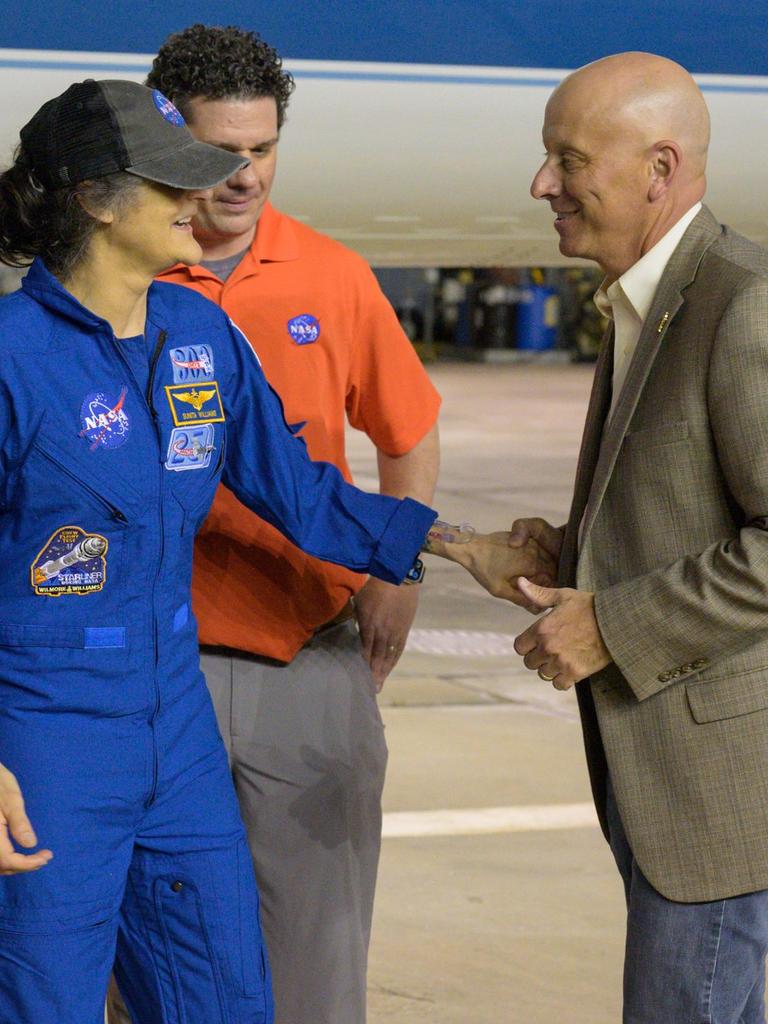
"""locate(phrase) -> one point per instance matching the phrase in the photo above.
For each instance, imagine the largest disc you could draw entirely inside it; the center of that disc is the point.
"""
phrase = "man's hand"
(497, 566)
(14, 820)
(564, 645)
(547, 536)
(384, 617)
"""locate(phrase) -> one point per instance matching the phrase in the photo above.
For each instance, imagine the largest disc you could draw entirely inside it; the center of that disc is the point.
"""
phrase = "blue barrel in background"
(538, 318)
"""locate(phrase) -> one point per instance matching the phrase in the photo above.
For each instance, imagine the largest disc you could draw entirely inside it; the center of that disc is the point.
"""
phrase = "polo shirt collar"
(275, 240)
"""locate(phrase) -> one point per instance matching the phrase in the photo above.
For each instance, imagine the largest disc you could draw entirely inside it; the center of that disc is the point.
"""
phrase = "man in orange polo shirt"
(293, 682)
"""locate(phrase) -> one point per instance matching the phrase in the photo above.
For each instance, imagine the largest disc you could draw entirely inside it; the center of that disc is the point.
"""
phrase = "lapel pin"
(662, 323)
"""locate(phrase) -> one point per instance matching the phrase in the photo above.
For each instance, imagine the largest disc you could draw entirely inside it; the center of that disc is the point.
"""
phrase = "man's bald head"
(649, 95)
(626, 140)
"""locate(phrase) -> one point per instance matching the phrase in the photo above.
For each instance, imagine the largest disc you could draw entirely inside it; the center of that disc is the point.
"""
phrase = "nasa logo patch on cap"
(304, 329)
(167, 109)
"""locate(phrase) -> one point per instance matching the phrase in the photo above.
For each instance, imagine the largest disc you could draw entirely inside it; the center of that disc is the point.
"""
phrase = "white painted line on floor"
(473, 643)
(488, 820)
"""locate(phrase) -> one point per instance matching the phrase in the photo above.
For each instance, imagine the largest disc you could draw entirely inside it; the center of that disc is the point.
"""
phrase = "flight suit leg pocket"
(187, 966)
(254, 970)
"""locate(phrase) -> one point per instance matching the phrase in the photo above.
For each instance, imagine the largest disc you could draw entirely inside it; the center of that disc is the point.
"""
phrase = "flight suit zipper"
(149, 399)
(161, 338)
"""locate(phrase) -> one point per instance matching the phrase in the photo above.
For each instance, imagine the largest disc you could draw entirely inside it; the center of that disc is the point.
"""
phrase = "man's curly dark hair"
(220, 63)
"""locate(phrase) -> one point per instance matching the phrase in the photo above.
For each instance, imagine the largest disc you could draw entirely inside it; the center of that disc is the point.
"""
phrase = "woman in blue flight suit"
(122, 404)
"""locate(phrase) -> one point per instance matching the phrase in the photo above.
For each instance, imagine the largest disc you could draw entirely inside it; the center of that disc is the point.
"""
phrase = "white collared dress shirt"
(628, 300)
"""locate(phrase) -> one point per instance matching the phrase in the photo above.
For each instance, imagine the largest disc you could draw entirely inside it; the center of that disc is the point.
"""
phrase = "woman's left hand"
(14, 822)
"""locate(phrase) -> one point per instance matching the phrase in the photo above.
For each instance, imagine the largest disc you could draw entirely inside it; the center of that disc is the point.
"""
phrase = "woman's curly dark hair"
(54, 223)
(220, 63)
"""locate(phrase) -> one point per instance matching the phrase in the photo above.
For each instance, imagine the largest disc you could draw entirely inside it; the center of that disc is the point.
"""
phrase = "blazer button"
(664, 677)
(687, 667)
(700, 663)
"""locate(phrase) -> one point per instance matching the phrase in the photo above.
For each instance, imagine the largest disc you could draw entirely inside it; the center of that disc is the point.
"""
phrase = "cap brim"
(195, 165)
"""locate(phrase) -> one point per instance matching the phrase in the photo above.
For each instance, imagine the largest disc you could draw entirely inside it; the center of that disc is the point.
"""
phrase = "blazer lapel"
(679, 273)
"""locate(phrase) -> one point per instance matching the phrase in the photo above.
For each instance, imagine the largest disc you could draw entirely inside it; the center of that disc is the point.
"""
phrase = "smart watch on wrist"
(416, 573)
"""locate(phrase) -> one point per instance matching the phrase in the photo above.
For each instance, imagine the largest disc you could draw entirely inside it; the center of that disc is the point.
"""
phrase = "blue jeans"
(689, 963)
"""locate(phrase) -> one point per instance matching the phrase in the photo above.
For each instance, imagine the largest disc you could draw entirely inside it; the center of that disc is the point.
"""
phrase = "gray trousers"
(308, 756)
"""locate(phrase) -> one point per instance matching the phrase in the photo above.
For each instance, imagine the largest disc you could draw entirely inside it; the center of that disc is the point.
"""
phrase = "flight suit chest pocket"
(54, 479)
(75, 527)
(194, 461)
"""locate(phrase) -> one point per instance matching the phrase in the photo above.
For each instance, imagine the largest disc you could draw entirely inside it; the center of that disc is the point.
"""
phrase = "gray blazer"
(674, 498)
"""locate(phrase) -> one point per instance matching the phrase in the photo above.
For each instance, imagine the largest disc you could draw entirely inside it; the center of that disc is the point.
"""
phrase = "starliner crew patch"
(192, 363)
(304, 329)
(105, 423)
(190, 447)
(192, 405)
(71, 562)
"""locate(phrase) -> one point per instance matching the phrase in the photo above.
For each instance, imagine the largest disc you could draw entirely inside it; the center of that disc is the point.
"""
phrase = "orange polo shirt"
(332, 348)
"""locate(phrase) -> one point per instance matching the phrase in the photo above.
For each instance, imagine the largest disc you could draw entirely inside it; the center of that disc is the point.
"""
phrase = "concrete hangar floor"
(498, 902)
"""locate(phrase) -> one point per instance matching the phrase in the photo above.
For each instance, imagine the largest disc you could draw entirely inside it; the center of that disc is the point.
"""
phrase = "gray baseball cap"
(97, 128)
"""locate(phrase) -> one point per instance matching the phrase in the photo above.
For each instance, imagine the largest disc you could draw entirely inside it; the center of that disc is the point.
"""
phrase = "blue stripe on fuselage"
(714, 37)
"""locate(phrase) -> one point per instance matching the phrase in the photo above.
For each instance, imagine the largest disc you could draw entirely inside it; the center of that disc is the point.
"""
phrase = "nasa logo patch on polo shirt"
(304, 329)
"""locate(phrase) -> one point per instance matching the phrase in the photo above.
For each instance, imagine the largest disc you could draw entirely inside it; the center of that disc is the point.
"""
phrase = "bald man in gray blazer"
(662, 613)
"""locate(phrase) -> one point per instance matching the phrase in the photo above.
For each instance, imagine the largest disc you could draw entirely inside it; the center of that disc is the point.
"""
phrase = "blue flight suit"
(104, 715)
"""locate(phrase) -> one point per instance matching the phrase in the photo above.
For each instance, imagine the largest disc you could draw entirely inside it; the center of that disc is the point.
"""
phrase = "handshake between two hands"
(503, 562)
(565, 644)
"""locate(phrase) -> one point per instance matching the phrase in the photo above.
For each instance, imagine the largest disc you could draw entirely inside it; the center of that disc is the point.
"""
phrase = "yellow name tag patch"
(194, 405)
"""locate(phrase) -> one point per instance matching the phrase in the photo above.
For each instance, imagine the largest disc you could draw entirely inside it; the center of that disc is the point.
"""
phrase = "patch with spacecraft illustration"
(191, 405)
(190, 447)
(71, 562)
(192, 364)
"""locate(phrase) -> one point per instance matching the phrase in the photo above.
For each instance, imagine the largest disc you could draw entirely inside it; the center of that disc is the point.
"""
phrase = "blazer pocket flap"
(663, 433)
(728, 696)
